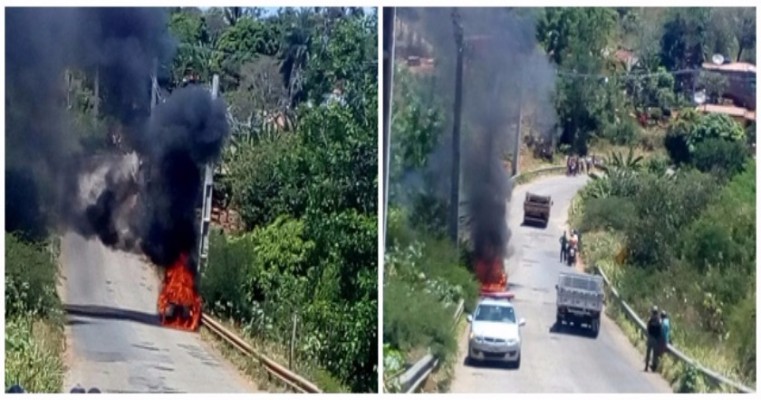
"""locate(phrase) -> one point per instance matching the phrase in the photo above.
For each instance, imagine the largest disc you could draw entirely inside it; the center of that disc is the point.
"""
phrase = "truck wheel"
(558, 323)
(595, 327)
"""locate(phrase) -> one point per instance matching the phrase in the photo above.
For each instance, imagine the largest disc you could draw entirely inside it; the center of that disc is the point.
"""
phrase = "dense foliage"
(33, 330)
(306, 191)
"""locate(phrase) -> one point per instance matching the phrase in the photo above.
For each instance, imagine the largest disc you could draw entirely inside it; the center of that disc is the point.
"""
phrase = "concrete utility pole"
(517, 151)
(96, 87)
(155, 85)
(454, 200)
(208, 186)
(389, 15)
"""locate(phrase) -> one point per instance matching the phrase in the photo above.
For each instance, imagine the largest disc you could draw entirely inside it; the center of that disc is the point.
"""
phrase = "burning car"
(179, 304)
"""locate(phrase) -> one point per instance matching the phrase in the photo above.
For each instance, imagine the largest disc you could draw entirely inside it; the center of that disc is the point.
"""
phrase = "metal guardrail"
(411, 379)
(291, 379)
(675, 352)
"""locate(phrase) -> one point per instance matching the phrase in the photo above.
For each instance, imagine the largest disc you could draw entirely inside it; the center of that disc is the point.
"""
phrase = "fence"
(282, 374)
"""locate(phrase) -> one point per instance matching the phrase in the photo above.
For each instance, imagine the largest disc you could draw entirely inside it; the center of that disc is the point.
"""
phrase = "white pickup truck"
(580, 300)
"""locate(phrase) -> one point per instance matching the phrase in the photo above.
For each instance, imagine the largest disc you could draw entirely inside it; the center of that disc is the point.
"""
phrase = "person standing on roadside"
(563, 247)
(654, 332)
(665, 332)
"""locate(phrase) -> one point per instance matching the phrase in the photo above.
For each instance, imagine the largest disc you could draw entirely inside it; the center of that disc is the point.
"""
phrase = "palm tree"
(628, 163)
(298, 40)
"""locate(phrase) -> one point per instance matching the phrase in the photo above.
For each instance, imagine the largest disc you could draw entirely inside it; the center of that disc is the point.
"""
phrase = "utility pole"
(96, 86)
(517, 151)
(454, 200)
(389, 17)
(208, 186)
(155, 85)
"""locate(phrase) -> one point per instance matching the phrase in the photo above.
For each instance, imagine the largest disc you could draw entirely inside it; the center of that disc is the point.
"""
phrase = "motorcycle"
(571, 258)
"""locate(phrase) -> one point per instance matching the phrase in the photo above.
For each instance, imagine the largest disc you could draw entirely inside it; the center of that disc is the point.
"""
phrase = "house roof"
(731, 67)
(732, 111)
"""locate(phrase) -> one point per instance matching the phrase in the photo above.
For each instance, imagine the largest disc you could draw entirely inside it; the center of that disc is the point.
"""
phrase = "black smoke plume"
(504, 72)
(140, 202)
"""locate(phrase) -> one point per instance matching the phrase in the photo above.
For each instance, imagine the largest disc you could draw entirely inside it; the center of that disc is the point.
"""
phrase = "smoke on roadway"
(141, 202)
(504, 70)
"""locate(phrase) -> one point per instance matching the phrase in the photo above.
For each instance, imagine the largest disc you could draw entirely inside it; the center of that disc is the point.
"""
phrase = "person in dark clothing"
(563, 247)
(654, 332)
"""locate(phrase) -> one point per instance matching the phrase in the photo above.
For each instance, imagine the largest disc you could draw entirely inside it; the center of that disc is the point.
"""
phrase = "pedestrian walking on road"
(654, 333)
(563, 247)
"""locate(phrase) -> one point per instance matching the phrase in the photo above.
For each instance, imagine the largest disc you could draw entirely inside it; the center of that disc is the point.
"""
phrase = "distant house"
(742, 82)
(627, 58)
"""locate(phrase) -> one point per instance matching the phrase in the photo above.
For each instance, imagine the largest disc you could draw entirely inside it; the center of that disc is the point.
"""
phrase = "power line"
(651, 74)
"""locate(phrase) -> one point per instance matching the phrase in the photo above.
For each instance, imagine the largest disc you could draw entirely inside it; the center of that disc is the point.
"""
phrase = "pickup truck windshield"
(494, 313)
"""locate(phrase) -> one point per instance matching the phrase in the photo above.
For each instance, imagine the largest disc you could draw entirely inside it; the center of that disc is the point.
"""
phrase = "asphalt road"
(557, 362)
(115, 342)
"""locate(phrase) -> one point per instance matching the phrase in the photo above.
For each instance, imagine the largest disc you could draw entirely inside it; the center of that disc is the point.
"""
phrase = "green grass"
(33, 354)
(34, 338)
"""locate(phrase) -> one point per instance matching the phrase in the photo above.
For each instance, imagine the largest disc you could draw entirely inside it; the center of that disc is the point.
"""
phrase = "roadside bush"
(33, 355)
(415, 319)
(742, 328)
(726, 158)
(614, 213)
(30, 279)
(663, 206)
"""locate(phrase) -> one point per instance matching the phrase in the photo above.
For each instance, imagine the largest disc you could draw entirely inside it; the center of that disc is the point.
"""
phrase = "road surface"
(114, 340)
(563, 362)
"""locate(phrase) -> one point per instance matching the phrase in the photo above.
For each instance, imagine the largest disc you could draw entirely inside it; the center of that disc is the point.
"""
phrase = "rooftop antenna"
(717, 59)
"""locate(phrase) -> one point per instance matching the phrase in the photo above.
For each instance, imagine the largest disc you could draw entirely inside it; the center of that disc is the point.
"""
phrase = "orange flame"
(179, 303)
(492, 275)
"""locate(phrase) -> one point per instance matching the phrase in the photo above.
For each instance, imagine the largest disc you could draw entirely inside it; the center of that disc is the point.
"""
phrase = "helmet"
(15, 389)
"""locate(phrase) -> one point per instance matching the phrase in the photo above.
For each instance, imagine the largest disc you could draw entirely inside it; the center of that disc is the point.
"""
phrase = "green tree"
(684, 41)
(575, 39)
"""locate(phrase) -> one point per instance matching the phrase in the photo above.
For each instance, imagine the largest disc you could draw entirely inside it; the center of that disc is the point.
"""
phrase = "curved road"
(114, 339)
(567, 362)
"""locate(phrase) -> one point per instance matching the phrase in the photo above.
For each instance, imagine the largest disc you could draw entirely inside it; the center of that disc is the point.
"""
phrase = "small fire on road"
(179, 303)
(490, 271)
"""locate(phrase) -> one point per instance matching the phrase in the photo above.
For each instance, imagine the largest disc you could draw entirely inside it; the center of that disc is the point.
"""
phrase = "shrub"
(663, 206)
(33, 355)
(727, 158)
(416, 319)
(30, 279)
(607, 213)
